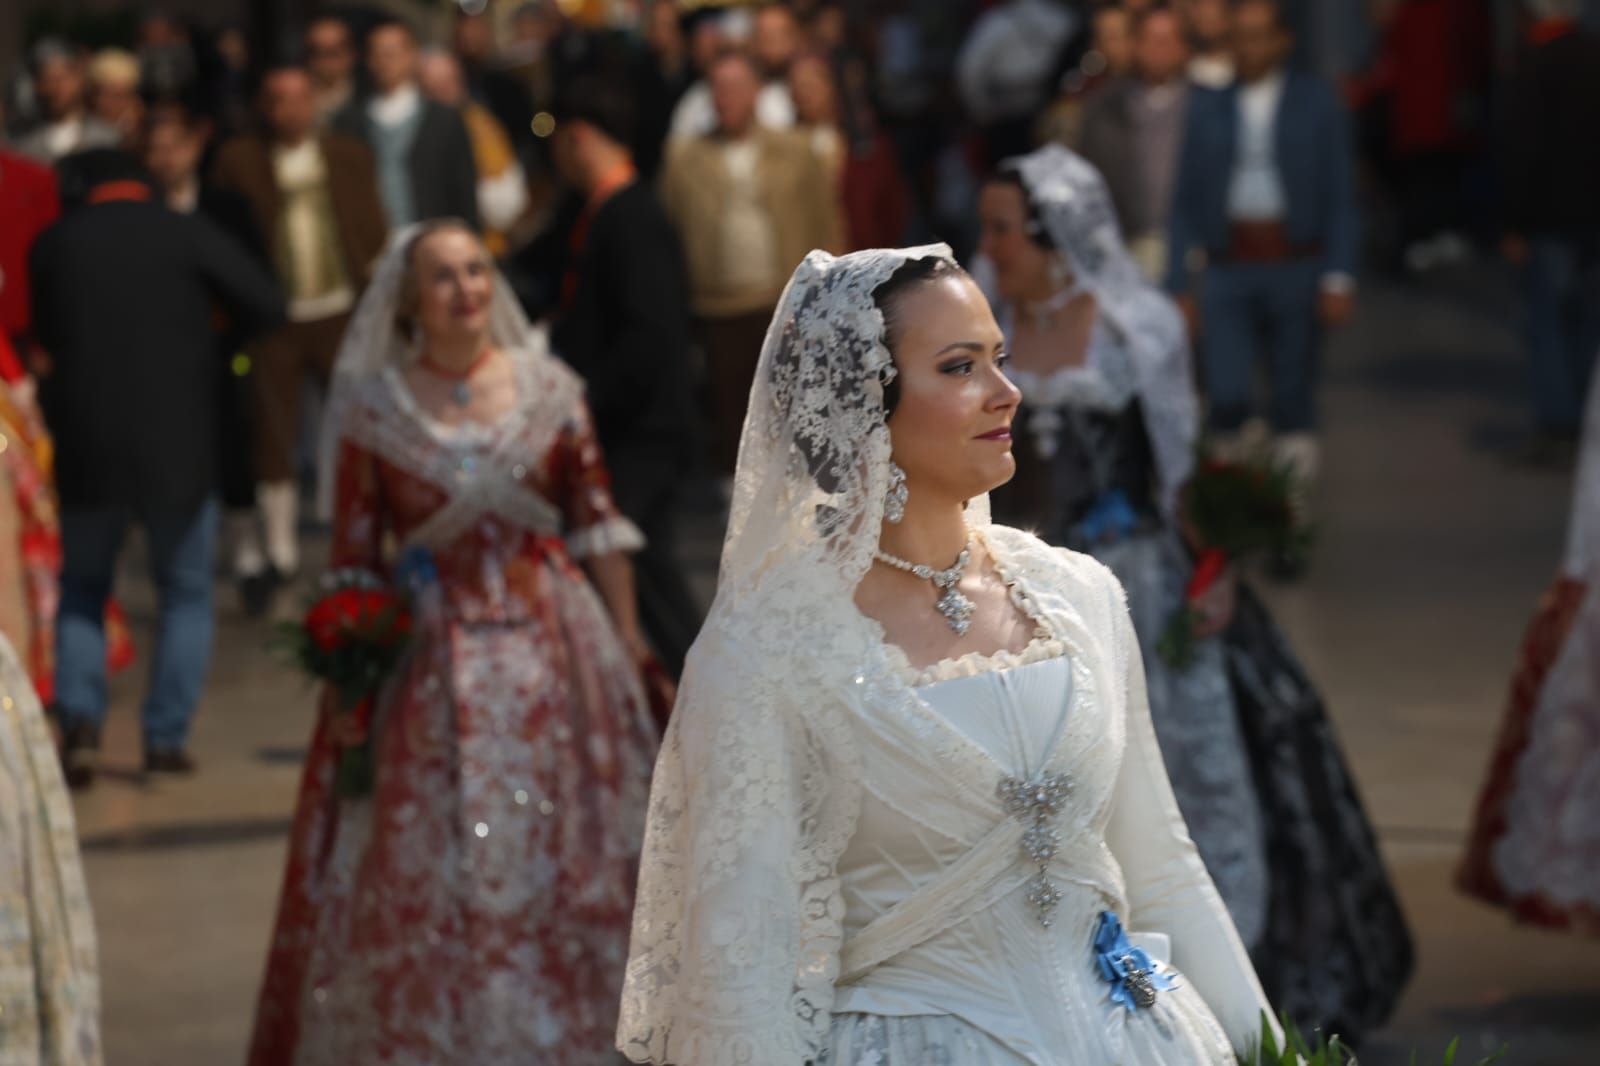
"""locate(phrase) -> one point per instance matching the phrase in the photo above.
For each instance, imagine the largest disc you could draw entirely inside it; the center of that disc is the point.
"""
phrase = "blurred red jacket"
(29, 205)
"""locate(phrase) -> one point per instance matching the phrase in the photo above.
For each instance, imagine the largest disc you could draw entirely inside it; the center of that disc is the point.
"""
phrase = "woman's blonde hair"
(405, 308)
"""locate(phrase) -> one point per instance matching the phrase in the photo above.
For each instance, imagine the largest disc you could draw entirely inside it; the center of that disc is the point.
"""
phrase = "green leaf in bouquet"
(1329, 1051)
(1177, 644)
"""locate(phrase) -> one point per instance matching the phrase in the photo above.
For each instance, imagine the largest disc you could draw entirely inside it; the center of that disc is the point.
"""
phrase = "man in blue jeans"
(1265, 201)
(124, 296)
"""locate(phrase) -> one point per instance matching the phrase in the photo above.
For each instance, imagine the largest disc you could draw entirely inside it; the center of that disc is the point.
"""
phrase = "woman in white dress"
(910, 809)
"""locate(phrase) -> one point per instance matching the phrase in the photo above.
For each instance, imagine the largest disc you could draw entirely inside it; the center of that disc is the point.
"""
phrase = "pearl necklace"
(956, 608)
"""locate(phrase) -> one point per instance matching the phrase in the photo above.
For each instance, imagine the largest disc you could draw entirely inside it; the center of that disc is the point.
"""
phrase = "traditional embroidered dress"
(49, 985)
(1535, 845)
(475, 908)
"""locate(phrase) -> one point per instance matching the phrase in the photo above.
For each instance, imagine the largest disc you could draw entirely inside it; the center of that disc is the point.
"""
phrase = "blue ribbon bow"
(1133, 975)
(1110, 519)
(416, 569)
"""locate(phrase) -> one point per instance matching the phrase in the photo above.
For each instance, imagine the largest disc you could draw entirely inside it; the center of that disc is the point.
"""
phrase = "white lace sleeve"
(1168, 888)
(737, 924)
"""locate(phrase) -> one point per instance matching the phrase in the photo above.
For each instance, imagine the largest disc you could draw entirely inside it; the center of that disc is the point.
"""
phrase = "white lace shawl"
(738, 923)
(1077, 211)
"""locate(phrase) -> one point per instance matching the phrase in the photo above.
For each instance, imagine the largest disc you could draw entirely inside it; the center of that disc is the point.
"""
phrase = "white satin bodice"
(1031, 990)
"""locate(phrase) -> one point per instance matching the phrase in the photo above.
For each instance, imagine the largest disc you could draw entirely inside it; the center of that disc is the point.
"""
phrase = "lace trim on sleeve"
(613, 535)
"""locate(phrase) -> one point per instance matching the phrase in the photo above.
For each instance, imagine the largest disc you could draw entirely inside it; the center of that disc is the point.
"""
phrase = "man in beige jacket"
(749, 203)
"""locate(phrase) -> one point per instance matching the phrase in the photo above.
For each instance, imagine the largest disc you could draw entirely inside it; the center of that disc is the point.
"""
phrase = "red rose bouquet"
(351, 638)
(1233, 510)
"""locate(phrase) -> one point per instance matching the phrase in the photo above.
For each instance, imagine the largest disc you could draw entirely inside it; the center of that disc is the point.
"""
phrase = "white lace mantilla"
(1076, 209)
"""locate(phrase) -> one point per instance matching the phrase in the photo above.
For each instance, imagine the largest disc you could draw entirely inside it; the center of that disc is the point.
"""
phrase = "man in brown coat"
(315, 198)
(748, 203)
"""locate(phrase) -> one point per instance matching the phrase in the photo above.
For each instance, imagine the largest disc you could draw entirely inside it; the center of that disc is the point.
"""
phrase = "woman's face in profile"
(1022, 268)
(951, 426)
(455, 284)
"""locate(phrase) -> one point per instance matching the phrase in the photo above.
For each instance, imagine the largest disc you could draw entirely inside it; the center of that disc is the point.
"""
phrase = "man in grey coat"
(1133, 131)
(422, 150)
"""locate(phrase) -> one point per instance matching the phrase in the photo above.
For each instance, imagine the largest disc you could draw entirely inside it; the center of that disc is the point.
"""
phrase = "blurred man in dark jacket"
(124, 293)
(624, 325)
(1265, 201)
(421, 148)
(174, 144)
(1551, 166)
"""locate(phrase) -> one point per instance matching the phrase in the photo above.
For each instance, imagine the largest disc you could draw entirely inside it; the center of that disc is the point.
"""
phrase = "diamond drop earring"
(894, 505)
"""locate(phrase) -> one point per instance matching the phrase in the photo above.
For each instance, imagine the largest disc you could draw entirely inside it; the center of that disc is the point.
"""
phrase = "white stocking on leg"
(280, 508)
(244, 535)
(1302, 455)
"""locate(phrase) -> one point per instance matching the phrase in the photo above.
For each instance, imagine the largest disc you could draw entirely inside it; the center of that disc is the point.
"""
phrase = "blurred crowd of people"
(647, 177)
(190, 220)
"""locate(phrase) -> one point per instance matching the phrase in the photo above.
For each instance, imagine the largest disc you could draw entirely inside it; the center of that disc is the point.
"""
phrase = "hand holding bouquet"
(351, 638)
(1233, 510)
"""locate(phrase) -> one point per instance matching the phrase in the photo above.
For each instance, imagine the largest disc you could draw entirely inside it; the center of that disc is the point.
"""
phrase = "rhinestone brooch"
(1038, 804)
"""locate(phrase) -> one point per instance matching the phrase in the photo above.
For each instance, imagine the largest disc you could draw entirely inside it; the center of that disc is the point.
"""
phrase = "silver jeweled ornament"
(1037, 804)
(955, 607)
(1137, 978)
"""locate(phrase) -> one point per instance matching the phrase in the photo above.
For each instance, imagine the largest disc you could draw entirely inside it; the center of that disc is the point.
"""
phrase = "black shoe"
(169, 761)
(255, 594)
(80, 755)
(1545, 451)
(1288, 567)
(258, 591)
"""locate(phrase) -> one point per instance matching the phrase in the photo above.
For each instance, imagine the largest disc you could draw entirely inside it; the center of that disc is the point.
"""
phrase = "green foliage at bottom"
(1296, 1050)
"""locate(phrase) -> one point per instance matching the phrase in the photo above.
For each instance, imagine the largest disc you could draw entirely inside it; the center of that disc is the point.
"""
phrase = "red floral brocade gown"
(475, 908)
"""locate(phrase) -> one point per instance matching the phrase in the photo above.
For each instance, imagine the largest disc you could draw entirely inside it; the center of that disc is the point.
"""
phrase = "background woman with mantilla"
(473, 909)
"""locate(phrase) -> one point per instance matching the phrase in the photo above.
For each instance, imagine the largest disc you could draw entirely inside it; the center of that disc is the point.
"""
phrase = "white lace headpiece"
(1076, 209)
(813, 466)
(373, 342)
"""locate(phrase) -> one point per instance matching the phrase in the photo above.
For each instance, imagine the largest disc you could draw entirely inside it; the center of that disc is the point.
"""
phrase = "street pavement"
(1432, 552)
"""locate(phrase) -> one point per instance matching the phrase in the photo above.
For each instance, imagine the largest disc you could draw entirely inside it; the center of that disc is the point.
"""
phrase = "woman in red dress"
(475, 907)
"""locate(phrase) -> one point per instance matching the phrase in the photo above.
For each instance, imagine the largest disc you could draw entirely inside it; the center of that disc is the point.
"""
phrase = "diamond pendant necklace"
(955, 607)
(460, 390)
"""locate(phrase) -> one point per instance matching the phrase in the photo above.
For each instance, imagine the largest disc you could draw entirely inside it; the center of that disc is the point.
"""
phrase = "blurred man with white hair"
(114, 92)
(58, 71)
